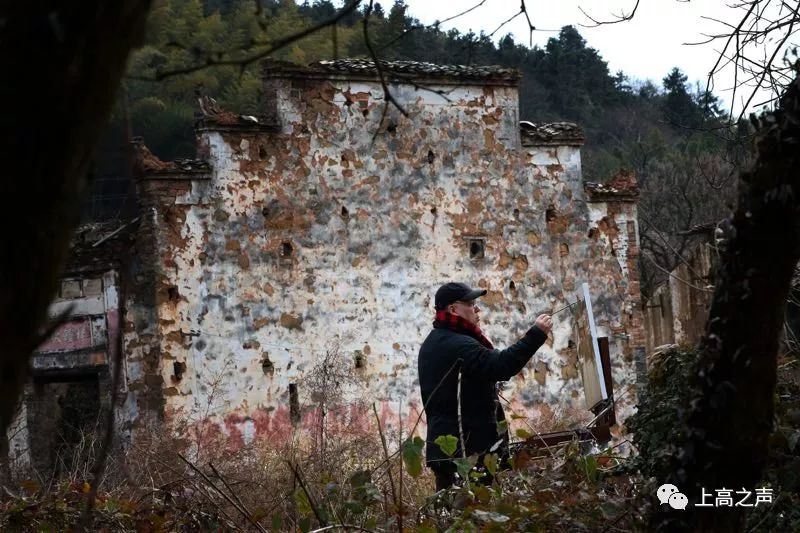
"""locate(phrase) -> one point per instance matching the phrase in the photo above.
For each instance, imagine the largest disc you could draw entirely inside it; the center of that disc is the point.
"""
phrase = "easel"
(598, 387)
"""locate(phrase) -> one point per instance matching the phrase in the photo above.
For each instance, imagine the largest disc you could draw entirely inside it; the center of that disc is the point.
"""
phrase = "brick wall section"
(613, 208)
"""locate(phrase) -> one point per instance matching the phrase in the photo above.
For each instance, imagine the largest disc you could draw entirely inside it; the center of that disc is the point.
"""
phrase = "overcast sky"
(646, 47)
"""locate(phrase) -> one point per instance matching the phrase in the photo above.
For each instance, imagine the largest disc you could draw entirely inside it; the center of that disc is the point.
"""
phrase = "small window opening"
(286, 249)
(294, 404)
(512, 286)
(431, 157)
(267, 365)
(550, 214)
(476, 249)
(178, 369)
(345, 213)
(360, 360)
(516, 213)
(173, 294)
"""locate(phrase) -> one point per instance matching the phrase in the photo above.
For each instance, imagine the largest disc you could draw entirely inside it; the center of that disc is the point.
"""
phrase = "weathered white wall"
(378, 215)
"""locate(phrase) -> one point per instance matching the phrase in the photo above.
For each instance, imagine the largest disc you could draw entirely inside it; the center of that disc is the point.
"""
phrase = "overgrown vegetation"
(352, 483)
(659, 433)
(172, 483)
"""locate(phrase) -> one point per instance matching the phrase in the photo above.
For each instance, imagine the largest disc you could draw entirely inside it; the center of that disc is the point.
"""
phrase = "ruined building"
(322, 228)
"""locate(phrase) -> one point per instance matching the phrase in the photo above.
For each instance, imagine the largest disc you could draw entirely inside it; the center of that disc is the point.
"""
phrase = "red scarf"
(445, 320)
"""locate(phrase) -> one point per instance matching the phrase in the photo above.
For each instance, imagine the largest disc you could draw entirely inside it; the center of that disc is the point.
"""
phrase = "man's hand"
(544, 323)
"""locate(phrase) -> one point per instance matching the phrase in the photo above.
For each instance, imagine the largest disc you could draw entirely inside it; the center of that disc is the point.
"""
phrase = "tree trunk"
(62, 63)
(730, 414)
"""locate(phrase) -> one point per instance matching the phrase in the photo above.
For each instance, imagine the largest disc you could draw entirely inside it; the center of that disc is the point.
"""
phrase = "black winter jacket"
(441, 355)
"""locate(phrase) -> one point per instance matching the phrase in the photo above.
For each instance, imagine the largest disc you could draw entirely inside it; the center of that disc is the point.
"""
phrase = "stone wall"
(319, 240)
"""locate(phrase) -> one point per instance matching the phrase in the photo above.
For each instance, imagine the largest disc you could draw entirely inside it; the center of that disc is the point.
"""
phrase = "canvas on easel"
(588, 350)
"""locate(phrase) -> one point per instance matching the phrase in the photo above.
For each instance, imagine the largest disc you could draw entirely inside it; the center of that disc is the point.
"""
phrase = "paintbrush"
(564, 308)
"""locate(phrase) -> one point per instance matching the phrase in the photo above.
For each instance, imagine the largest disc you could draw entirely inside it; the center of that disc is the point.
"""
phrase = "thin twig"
(670, 274)
(400, 481)
(386, 456)
(311, 501)
(234, 494)
(435, 24)
(221, 493)
(669, 245)
(387, 94)
(108, 437)
(622, 17)
(342, 526)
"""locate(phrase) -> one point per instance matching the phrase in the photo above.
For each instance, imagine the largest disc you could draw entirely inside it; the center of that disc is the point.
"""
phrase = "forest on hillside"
(671, 133)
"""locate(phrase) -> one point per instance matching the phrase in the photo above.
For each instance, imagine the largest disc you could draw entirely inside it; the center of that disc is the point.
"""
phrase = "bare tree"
(759, 45)
(679, 193)
(731, 409)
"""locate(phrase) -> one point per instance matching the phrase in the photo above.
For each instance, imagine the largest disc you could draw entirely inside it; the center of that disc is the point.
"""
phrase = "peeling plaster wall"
(333, 234)
(678, 310)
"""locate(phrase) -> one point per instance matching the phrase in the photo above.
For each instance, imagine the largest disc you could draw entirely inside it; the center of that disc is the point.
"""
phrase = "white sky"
(646, 47)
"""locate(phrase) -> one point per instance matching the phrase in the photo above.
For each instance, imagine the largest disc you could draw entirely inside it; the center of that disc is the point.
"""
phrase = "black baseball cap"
(453, 292)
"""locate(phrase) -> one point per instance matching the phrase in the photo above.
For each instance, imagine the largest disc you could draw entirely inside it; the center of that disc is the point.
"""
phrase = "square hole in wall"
(286, 252)
(476, 247)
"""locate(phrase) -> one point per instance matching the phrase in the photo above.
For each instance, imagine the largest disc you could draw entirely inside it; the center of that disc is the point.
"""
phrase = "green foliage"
(658, 425)
(490, 462)
(303, 505)
(412, 455)
(502, 427)
(783, 462)
(464, 465)
(523, 433)
(447, 443)
(568, 491)
(658, 429)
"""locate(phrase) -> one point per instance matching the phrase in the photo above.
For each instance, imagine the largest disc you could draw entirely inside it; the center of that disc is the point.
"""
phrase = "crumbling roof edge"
(176, 174)
(210, 125)
(550, 134)
(96, 247)
(698, 229)
(149, 166)
(623, 187)
(600, 192)
(410, 72)
(599, 198)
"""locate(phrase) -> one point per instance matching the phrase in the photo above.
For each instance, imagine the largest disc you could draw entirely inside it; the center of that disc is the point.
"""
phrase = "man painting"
(457, 345)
